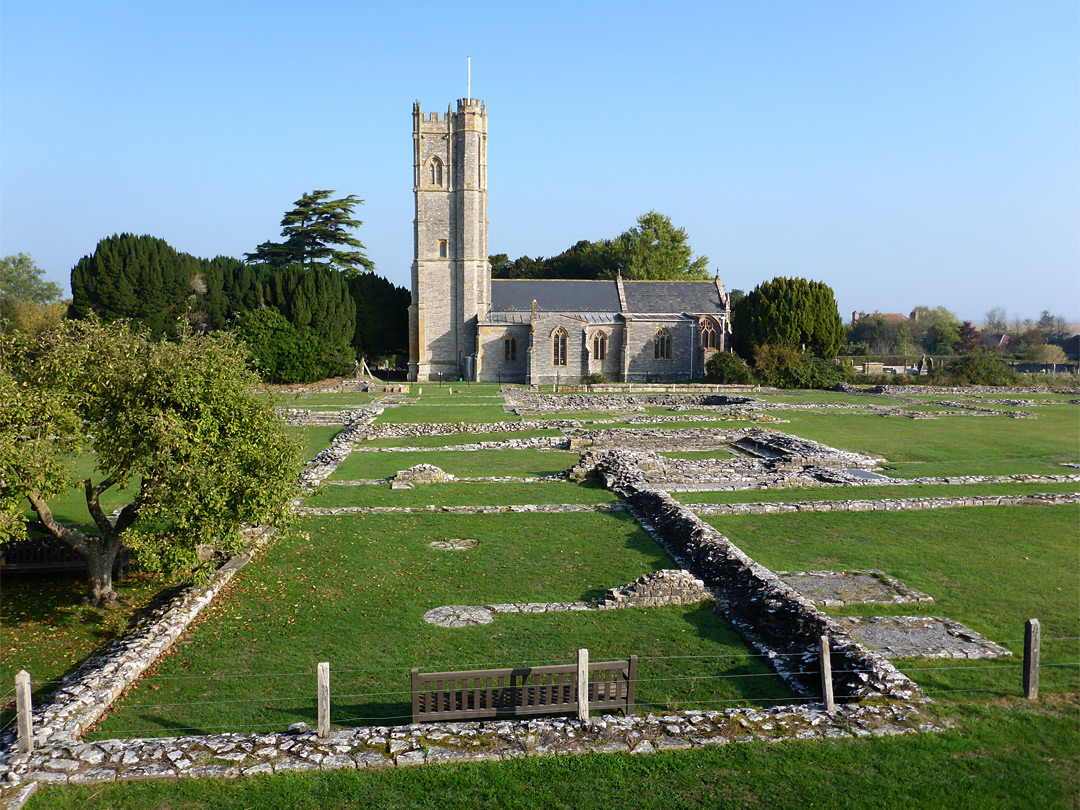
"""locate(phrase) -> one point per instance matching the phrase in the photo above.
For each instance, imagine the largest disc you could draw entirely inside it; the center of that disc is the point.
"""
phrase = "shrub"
(976, 369)
(781, 367)
(594, 379)
(728, 368)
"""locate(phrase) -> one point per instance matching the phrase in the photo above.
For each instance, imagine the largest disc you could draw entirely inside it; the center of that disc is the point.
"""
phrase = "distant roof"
(554, 295)
(890, 317)
(698, 297)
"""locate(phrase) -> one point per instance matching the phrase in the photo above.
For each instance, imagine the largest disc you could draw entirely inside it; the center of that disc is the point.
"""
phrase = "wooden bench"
(49, 555)
(520, 691)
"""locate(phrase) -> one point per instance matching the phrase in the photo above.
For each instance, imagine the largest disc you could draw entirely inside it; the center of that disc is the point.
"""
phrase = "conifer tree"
(791, 313)
(316, 232)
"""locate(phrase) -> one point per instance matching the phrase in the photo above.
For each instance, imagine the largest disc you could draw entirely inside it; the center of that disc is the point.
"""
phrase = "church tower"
(451, 276)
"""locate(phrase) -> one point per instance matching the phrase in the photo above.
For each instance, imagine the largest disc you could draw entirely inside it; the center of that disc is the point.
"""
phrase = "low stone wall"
(323, 465)
(420, 474)
(540, 442)
(522, 508)
(235, 755)
(295, 418)
(519, 400)
(883, 504)
(768, 613)
(655, 589)
(417, 430)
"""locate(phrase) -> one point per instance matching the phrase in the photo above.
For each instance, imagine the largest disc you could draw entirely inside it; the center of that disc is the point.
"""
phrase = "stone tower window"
(558, 347)
(708, 335)
(510, 350)
(599, 346)
(662, 345)
(442, 248)
(436, 172)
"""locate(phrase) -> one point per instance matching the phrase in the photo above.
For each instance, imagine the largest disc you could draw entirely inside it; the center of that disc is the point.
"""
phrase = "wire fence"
(660, 690)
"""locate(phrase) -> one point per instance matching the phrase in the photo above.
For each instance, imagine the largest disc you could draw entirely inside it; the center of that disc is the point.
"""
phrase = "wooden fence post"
(23, 710)
(583, 685)
(826, 676)
(1032, 637)
(324, 700)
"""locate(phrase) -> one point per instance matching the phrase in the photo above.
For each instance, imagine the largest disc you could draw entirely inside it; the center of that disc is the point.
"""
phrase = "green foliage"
(788, 312)
(937, 330)
(178, 421)
(596, 378)
(284, 353)
(653, 249)
(727, 368)
(315, 232)
(656, 250)
(975, 369)
(20, 278)
(782, 367)
(140, 278)
(382, 316)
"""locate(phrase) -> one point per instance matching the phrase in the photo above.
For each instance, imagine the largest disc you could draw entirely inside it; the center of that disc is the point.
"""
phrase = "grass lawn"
(448, 413)
(313, 438)
(361, 608)
(477, 464)
(827, 398)
(452, 390)
(868, 493)
(47, 630)
(461, 494)
(1004, 755)
(975, 445)
(462, 438)
(991, 568)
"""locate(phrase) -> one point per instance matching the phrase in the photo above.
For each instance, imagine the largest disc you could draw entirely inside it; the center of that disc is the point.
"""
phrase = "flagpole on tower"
(468, 85)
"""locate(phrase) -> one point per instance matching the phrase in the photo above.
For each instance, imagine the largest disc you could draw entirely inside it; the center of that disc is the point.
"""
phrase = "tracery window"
(662, 345)
(510, 350)
(558, 347)
(708, 335)
(599, 346)
(436, 172)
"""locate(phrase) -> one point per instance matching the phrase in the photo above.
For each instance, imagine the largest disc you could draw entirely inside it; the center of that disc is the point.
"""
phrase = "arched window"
(510, 350)
(662, 345)
(442, 248)
(708, 335)
(558, 347)
(599, 346)
(436, 172)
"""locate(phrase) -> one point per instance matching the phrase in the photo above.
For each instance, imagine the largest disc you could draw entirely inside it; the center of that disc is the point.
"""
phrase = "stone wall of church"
(611, 364)
(643, 366)
(542, 366)
(494, 364)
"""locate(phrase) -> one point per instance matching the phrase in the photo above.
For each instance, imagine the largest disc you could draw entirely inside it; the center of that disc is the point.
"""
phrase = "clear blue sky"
(904, 153)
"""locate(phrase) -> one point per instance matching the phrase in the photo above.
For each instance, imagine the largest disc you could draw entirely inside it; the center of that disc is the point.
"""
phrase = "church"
(465, 325)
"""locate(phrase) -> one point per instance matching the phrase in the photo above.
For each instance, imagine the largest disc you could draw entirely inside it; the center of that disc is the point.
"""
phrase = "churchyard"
(960, 506)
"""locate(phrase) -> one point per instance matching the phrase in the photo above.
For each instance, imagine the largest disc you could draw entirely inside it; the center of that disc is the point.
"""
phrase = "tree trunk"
(99, 565)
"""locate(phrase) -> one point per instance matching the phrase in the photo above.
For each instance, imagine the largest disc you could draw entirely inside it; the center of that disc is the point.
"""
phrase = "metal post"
(1032, 638)
(583, 685)
(23, 710)
(826, 676)
(324, 700)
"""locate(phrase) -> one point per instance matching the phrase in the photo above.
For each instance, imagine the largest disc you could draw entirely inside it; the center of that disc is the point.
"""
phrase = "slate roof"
(598, 301)
(698, 297)
(554, 295)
